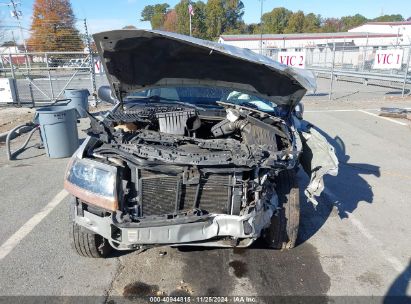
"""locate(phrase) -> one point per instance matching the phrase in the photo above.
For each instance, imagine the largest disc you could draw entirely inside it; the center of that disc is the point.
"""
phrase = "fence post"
(92, 72)
(49, 74)
(11, 67)
(406, 71)
(332, 74)
(2, 66)
(13, 75)
(364, 54)
(31, 94)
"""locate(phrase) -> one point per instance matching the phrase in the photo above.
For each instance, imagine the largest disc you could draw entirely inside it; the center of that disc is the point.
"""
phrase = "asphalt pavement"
(356, 242)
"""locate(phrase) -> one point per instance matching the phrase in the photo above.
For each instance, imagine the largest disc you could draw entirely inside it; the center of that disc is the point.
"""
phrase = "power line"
(15, 13)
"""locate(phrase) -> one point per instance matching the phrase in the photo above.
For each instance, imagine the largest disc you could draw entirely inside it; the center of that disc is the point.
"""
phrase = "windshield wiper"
(157, 98)
(248, 104)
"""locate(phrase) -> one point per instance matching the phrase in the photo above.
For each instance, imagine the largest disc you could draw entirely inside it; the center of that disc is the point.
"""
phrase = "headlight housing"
(93, 182)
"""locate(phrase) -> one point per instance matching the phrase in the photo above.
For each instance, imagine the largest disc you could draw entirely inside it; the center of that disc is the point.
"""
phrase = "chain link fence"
(350, 72)
(344, 72)
(43, 77)
(58, 55)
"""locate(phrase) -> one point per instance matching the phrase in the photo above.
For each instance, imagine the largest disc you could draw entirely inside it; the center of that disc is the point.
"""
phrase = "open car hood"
(142, 59)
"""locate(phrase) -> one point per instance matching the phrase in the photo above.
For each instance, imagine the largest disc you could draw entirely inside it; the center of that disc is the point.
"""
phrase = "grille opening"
(163, 194)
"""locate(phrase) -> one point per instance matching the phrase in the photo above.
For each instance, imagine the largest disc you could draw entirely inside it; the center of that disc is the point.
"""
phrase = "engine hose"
(9, 137)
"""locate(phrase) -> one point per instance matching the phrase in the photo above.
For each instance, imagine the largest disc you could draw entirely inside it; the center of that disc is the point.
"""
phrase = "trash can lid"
(74, 92)
(54, 109)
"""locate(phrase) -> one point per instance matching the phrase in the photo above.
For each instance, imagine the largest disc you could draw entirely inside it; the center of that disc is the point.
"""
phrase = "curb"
(21, 131)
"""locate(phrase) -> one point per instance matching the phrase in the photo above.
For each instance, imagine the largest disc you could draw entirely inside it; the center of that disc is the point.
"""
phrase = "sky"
(108, 14)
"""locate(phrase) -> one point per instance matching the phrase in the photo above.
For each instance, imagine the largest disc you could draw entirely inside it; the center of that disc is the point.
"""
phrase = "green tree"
(183, 18)
(312, 23)
(215, 18)
(199, 20)
(331, 25)
(350, 22)
(53, 27)
(295, 23)
(241, 28)
(251, 28)
(170, 22)
(389, 18)
(155, 14)
(234, 13)
(276, 21)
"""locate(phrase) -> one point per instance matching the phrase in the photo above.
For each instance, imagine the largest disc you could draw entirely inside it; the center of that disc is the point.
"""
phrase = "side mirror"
(299, 110)
(105, 94)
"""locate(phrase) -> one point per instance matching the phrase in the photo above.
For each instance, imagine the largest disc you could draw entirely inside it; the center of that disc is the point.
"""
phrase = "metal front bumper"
(176, 234)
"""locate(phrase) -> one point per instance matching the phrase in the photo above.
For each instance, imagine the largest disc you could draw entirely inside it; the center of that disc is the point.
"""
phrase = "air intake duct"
(174, 122)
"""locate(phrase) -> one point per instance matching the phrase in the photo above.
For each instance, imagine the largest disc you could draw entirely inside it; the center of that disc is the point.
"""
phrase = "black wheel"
(85, 242)
(282, 233)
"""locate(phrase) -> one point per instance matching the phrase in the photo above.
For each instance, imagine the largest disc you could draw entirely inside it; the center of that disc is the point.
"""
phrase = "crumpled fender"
(317, 159)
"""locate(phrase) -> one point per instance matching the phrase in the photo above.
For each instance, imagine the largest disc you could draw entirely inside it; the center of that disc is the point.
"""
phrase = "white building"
(401, 29)
(353, 49)
(13, 53)
(10, 49)
(287, 41)
(371, 34)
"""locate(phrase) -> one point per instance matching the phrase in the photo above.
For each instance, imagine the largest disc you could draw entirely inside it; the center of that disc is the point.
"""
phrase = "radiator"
(162, 194)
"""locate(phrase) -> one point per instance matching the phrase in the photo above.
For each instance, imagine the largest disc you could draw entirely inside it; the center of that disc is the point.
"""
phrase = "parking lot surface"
(357, 241)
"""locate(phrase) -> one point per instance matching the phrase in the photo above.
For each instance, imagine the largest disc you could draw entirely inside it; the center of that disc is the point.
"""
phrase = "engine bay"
(176, 161)
(186, 136)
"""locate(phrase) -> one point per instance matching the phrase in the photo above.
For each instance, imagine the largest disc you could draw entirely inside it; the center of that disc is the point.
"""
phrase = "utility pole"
(15, 13)
(261, 27)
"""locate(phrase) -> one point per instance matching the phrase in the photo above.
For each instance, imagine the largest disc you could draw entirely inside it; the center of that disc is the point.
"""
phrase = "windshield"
(202, 97)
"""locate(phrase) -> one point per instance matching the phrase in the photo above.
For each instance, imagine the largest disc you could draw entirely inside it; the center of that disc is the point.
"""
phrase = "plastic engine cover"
(174, 122)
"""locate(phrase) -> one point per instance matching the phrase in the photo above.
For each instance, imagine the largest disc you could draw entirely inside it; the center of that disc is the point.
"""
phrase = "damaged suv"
(201, 148)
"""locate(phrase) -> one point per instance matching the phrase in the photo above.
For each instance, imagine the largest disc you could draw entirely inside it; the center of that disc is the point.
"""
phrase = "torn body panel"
(317, 158)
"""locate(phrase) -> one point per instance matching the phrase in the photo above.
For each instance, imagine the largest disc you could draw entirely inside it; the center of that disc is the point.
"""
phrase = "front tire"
(283, 230)
(85, 242)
